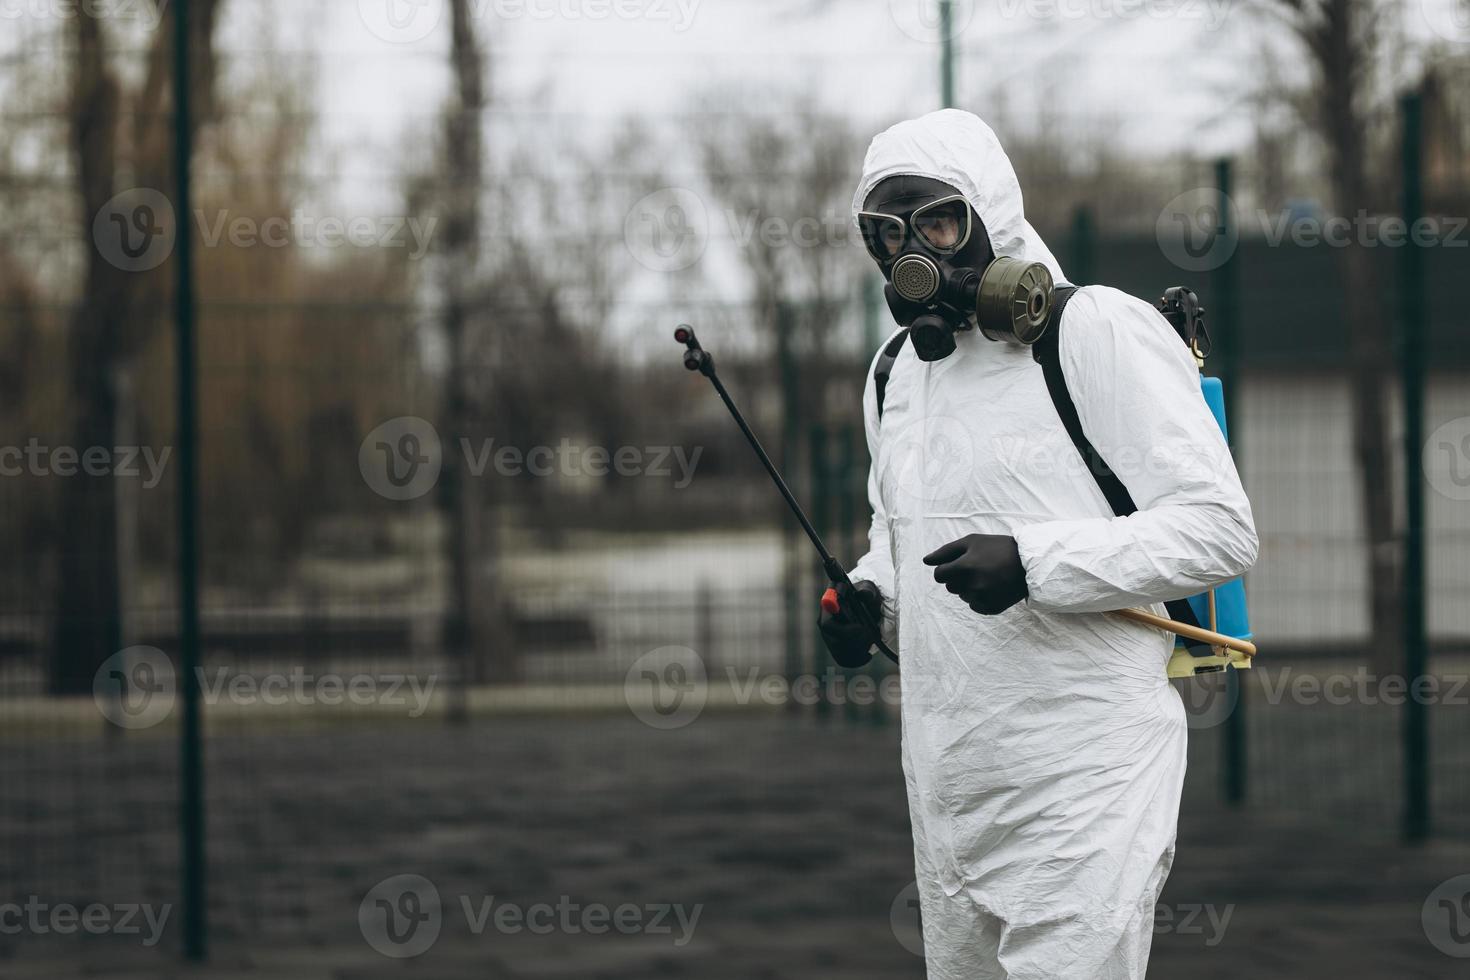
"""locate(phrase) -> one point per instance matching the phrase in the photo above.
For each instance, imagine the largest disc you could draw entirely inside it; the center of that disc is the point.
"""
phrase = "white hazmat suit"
(1043, 748)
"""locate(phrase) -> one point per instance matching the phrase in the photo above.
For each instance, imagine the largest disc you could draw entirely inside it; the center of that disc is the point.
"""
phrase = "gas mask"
(943, 277)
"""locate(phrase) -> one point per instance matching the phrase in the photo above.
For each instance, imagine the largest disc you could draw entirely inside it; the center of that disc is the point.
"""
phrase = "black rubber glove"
(846, 637)
(984, 570)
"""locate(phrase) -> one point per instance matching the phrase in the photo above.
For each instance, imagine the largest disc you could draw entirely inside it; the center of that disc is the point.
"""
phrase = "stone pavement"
(788, 837)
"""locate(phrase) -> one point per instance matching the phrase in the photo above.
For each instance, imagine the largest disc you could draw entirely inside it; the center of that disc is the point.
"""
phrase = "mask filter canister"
(1013, 300)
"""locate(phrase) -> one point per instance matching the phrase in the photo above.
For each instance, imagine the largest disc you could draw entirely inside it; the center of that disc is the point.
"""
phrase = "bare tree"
(779, 176)
(783, 181)
(110, 321)
(1447, 134)
(516, 328)
(470, 587)
(1344, 41)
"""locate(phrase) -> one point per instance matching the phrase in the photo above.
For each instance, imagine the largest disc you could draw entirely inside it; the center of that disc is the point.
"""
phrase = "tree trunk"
(474, 596)
(1343, 46)
(88, 617)
(1372, 444)
(104, 330)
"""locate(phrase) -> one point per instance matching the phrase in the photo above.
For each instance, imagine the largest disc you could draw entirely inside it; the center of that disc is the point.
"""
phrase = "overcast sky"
(1160, 75)
(1133, 62)
(1157, 76)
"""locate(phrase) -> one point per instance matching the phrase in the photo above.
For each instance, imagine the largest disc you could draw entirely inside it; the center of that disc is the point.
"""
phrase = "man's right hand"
(847, 639)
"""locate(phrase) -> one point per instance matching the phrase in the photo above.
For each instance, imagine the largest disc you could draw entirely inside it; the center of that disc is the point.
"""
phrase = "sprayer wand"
(696, 358)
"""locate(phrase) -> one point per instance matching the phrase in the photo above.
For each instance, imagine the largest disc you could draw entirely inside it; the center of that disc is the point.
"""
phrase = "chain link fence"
(450, 499)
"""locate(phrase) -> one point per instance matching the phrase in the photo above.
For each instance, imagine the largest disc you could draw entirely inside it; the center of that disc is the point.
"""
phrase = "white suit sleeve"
(877, 565)
(1137, 393)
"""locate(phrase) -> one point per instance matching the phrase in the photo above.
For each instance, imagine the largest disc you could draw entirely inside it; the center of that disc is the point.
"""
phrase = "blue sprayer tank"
(1231, 616)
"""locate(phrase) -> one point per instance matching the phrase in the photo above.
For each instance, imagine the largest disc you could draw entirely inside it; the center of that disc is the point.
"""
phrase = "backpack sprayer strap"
(1047, 352)
(884, 367)
(1181, 308)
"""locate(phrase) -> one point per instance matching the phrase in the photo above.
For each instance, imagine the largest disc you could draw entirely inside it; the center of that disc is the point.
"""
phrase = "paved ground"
(787, 837)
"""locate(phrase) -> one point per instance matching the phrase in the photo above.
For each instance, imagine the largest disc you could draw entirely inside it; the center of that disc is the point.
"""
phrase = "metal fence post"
(821, 476)
(191, 751)
(946, 53)
(1226, 288)
(1412, 313)
(704, 621)
(872, 305)
(1080, 263)
(793, 579)
(844, 486)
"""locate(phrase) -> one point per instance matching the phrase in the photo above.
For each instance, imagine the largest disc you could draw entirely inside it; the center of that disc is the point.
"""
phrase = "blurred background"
(375, 568)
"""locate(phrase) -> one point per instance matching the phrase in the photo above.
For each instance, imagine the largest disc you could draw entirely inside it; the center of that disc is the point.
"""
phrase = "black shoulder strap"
(884, 367)
(1047, 352)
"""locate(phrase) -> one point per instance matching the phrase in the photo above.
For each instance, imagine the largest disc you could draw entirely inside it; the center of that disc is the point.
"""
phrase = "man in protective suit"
(1043, 746)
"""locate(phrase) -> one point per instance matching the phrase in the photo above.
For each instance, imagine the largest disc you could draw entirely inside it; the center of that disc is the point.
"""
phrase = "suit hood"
(958, 148)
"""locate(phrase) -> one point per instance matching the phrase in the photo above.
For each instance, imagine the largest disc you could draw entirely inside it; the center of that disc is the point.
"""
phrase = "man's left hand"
(984, 570)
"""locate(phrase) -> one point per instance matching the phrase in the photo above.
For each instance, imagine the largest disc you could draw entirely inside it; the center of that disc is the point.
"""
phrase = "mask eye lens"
(882, 234)
(944, 226)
